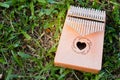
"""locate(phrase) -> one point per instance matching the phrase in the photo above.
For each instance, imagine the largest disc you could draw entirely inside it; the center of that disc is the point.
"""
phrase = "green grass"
(29, 36)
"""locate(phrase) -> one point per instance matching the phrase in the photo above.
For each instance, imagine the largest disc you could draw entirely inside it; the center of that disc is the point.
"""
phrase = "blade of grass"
(4, 5)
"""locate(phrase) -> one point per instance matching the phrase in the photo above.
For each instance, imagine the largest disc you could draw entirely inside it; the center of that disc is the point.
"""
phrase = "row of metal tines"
(85, 20)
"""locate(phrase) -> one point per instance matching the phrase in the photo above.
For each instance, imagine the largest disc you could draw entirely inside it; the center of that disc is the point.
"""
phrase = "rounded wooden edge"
(95, 71)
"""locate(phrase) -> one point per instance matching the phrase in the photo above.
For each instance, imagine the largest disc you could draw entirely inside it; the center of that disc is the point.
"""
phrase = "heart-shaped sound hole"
(81, 45)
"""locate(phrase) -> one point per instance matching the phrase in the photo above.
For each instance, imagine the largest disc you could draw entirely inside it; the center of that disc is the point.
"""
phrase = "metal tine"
(96, 14)
(77, 11)
(73, 21)
(96, 25)
(80, 26)
(103, 28)
(92, 27)
(83, 31)
(100, 26)
(95, 28)
(69, 20)
(84, 25)
(87, 28)
(80, 21)
(75, 24)
(88, 12)
(89, 31)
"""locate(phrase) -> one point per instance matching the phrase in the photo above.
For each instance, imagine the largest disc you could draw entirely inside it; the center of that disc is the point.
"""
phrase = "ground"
(30, 31)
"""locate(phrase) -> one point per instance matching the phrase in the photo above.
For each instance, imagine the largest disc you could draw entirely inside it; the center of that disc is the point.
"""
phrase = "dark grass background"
(29, 35)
